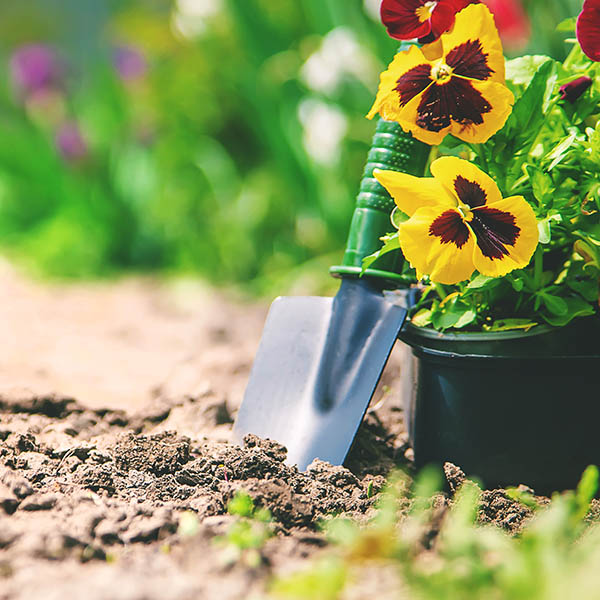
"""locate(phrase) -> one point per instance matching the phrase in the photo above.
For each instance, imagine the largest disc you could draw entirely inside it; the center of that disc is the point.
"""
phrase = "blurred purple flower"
(572, 90)
(35, 67)
(129, 62)
(70, 142)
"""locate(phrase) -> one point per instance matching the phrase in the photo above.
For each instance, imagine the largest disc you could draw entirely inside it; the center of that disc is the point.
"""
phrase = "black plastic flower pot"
(510, 407)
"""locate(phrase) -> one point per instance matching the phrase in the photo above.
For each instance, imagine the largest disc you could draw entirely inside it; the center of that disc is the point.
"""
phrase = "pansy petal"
(437, 243)
(412, 68)
(409, 117)
(478, 128)
(457, 93)
(471, 110)
(442, 17)
(464, 180)
(433, 51)
(460, 4)
(401, 19)
(507, 236)
(588, 30)
(451, 105)
(474, 39)
(411, 193)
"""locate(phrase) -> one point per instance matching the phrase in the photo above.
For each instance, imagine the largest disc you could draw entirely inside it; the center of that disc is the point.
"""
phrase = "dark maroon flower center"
(494, 230)
(456, 101)
(469, 60)
(450, 228)
(413, 82)
(448, 98)
(470, 192)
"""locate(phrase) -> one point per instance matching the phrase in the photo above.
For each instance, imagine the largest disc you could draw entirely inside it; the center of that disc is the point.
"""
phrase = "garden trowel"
(320, 359)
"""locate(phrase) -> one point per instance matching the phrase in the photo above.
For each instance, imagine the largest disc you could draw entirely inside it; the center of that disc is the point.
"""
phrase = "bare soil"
(116, 406)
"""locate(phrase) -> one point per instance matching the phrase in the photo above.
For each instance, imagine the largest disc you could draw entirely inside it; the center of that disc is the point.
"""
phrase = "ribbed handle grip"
(391, 149)
(394, 150)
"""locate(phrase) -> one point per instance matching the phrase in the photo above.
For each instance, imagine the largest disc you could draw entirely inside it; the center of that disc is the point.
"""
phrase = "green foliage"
(390, 243)
(556, 556)
(248, 533)
(206, 163)
(210, 162)
(241, 504)
(549, 153)
(325, 581)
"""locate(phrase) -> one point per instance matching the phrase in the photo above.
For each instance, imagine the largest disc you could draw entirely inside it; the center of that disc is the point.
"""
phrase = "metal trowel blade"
(317, 366)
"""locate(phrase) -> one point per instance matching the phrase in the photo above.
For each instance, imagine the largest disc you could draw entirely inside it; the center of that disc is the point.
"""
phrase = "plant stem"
(441, 291)
(575, 51)
(538, 267)
(480, 152)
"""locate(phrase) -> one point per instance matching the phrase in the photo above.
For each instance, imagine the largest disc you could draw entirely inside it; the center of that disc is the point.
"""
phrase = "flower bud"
(573, 89)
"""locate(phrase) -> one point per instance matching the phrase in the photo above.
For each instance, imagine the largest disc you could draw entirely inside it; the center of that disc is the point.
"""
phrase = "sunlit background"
(223, 138)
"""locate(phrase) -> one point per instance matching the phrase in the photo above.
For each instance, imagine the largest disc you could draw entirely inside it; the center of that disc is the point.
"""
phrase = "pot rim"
(477, 336)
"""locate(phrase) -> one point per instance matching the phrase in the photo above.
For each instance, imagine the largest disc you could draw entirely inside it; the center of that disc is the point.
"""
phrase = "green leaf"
(544, 228)
(422, 318)
(445, 320)
(544, 233)
(568, 25)
(560, 151)
(453, 313)
(510, 324)
(594, 140)
(465, 507)
(586, 287)
(466, 319)
(398, 217)
(587, 488)
(576, 307)
(528, 111)
(517, 283)
(541, 183)
(262, 514)
(524, 497)
(480, 281)
(241, 504)
(324, 580)
(520, 71)
(555, 304)
(391, 243)
(589, 251)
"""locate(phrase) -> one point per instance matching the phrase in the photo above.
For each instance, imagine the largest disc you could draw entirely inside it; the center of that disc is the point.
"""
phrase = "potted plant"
(503, 235)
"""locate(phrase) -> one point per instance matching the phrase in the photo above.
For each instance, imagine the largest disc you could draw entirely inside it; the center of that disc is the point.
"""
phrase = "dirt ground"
(116, 467)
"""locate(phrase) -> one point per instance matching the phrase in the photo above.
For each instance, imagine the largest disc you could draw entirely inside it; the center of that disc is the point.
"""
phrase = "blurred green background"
(225, 138)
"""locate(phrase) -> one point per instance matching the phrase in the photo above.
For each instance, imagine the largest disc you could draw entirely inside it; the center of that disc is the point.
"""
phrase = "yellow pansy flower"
(455, 85)
(460, 223)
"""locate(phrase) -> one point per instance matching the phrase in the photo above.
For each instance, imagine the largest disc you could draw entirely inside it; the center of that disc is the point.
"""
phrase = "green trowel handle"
(392, 149)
